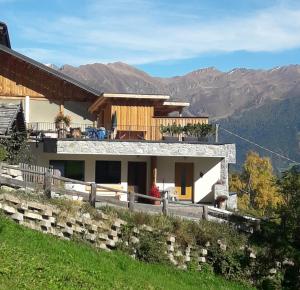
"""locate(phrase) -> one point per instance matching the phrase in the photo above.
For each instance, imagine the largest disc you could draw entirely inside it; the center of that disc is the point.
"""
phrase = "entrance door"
(137, 177)
(184, 179)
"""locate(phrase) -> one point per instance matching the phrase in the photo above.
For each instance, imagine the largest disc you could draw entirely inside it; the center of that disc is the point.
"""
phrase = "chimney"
(4, 36)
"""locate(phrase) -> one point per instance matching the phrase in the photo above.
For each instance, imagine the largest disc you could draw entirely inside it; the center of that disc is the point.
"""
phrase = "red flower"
(154, 191)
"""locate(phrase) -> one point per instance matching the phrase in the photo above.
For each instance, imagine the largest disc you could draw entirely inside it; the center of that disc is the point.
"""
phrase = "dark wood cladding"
(26, 79)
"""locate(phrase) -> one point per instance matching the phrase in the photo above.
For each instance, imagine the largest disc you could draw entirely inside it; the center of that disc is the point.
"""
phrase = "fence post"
(165, 203)
(205, 213)
(93, 194)
(0, 173)
(47, 183)
(131, 201)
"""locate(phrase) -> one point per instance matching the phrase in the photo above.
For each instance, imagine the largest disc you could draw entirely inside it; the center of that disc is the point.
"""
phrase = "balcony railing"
(122, 132)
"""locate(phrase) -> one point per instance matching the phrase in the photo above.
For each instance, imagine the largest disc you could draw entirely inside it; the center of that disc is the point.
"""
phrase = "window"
(108, 172)
(69, 168)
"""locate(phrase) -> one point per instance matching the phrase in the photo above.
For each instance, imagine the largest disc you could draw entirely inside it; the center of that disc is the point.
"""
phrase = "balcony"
(162, 129)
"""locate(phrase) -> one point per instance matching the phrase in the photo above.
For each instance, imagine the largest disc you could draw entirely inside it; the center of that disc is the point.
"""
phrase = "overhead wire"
(259, 146)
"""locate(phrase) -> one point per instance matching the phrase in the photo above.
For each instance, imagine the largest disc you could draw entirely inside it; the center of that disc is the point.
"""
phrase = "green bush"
(152, 248)
(3, 153)
(17, 148)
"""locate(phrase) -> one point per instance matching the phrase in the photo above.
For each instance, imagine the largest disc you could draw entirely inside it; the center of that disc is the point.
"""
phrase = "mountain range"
(260, 105)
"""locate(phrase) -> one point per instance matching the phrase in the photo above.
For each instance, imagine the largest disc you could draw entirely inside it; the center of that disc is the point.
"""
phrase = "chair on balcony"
(101, 133)
(172, 193)
(91, 133)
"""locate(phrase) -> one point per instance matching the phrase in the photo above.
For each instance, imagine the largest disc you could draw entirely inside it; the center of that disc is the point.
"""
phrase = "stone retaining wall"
(14, 173)
(104, 232)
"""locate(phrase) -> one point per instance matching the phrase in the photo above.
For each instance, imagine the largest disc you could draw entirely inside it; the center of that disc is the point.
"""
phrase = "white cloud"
(140, 32)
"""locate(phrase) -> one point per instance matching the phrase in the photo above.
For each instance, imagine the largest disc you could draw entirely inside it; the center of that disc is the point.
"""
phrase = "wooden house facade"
(132, 154)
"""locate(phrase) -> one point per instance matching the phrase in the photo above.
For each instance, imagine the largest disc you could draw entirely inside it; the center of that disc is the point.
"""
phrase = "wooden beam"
(153, 164)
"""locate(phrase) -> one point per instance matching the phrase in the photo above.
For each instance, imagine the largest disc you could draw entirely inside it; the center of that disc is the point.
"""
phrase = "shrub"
(3, 153)
(226, 263)
(17, 148)
(152, 248)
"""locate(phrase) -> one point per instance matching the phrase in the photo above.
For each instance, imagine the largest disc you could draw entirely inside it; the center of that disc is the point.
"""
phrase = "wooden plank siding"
(22, 78)
(137, 120)
(9, 88)
(134, 118)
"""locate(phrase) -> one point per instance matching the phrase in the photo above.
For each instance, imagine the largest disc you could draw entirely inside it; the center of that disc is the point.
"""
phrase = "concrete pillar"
(153, 162)
(224, 173)
(27, 109)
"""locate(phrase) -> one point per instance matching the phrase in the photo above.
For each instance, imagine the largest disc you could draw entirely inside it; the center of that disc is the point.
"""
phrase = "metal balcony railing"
(121, 132)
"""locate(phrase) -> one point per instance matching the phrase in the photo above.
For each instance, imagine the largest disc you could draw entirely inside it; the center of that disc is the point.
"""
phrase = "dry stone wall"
(105, 232)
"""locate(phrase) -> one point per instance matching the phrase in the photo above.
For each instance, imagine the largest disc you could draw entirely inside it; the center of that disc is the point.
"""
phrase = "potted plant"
(171, 132)
(62, 120)
(203, 131)
(61, 123)
(189, 133)
(154, 192)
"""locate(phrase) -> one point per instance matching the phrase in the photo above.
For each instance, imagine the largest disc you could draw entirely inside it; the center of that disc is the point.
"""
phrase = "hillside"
(246, 100)
(276, 125)
(32, 260)
(210, 91)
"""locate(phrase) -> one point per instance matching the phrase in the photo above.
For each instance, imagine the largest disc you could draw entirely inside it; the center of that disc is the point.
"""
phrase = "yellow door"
(184, 179)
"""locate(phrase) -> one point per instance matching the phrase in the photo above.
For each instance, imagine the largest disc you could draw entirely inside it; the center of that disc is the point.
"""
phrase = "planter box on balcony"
(190, 139)
(203, 139)
(171, 138)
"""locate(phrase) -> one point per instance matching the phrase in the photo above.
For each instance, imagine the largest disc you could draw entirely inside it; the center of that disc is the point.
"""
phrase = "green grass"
(32, 260)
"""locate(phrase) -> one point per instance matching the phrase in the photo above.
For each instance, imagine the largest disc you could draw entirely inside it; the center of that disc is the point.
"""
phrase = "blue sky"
(164, 38)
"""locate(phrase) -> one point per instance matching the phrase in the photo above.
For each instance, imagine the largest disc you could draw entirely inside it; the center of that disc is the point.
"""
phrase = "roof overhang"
(129, 97)
(48, 70)
(177, 104)
(136, 96)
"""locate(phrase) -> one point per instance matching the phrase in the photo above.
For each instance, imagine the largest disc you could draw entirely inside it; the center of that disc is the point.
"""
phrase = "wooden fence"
(50, 182)
(35, 174)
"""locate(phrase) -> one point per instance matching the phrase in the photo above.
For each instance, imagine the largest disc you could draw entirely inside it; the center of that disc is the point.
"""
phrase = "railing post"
(205, 213)
(131, 201)
(165, 203)
(92, 198)
(0, 173)
(217, 133)
(47, 183)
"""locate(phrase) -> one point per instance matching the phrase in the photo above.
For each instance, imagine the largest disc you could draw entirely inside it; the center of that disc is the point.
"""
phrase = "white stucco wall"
(78, 112)
(202, 191)
(43, 159)
(210, 167)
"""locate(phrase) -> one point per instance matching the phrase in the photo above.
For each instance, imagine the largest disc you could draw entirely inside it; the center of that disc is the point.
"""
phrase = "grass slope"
(32, 260)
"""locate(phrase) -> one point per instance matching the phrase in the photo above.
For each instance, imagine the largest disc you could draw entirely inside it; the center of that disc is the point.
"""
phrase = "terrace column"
(27, 109)
(153, 170)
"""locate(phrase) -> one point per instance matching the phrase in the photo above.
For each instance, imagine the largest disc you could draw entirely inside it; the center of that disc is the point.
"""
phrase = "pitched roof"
(49, 70)
(8, 115)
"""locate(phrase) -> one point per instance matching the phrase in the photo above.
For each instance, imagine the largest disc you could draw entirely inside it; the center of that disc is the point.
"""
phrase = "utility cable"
(260, 146)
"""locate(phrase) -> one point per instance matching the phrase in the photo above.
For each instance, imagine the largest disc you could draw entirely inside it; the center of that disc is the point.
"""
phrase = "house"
(113, 139)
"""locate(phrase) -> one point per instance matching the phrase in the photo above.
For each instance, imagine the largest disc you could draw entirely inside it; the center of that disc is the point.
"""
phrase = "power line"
(260, 146)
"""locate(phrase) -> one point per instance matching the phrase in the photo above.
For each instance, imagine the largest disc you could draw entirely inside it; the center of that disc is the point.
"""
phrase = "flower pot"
(156, 202)
(190, 138)
(203, 138)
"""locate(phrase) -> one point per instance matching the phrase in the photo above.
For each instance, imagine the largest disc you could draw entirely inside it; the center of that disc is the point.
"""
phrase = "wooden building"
(133, 155)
